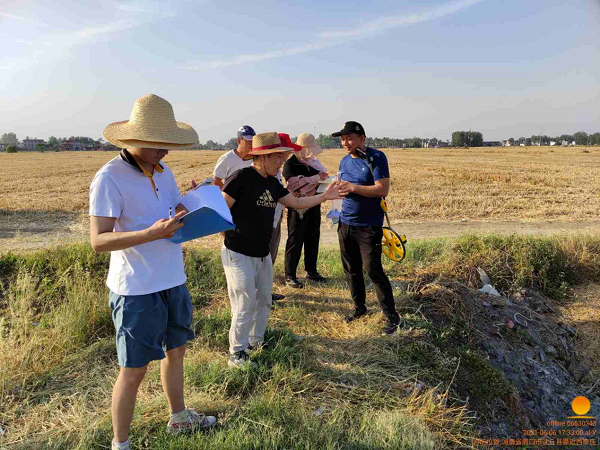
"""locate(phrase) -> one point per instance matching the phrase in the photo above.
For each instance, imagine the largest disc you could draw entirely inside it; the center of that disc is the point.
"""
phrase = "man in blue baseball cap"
(232, 160)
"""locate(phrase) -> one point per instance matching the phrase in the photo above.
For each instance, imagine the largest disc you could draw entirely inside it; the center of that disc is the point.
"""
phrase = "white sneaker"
(240, 360)
(114, 446)
(188, 421)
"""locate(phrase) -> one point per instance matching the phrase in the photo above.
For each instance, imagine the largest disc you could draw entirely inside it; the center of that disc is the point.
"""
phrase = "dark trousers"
(302, 232)
(360, 247)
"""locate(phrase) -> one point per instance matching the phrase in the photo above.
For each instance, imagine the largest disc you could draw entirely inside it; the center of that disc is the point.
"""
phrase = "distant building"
(29, 144)
(552, 143)
(564, 143)
(73, 146)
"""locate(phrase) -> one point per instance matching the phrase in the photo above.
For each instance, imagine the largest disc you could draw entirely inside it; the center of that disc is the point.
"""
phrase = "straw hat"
(307, 140)
(265, 143)
(151, 124)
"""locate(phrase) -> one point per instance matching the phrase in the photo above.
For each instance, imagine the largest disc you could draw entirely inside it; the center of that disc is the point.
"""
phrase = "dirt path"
(424, 230)
(32, 238)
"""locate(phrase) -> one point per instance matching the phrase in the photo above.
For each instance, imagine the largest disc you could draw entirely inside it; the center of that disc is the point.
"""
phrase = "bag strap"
(369, 159)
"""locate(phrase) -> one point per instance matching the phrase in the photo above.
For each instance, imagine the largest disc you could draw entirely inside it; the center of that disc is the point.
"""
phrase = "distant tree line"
(580, 138)
(459, 139)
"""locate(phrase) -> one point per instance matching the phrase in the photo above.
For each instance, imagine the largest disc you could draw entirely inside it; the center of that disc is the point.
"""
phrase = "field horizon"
(434, 192)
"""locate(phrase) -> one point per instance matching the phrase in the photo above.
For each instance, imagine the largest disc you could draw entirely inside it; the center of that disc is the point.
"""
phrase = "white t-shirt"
(121, 191)
(228, 163)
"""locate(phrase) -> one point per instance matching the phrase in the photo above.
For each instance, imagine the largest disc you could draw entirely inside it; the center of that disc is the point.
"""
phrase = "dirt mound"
(518, 366)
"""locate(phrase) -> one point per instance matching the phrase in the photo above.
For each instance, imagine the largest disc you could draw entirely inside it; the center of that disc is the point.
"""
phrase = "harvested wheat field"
(434, 192)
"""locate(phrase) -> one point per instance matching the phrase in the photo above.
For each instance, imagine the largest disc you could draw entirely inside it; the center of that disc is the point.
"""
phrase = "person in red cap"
(252, 194)
(286, 141)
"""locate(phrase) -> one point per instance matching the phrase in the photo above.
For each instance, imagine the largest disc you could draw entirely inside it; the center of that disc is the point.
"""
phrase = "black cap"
(349, 128)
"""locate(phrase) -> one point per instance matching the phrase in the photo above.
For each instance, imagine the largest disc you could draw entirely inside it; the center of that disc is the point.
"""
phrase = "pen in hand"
(169, 212)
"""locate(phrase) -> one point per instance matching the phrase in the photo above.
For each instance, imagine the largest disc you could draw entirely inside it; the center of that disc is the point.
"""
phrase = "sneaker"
(315, 276)
(188, 421)
(293, 282)
(124, 446)
(275, 297)
(391, 326)
(357, 314)
(239, 360)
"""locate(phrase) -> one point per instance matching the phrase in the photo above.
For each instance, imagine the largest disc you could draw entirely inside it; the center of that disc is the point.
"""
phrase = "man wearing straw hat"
(364, 178)
(252, 194)
(233, 160)
(135, 206)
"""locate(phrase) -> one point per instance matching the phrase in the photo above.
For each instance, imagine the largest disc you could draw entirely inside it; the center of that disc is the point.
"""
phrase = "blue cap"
(246, 132)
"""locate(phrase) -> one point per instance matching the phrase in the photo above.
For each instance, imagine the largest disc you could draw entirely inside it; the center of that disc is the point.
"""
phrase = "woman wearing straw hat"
(252, 195)
(302, 172)
(135, 206)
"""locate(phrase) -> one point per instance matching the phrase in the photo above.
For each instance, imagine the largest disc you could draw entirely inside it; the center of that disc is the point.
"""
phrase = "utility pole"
(541, 132)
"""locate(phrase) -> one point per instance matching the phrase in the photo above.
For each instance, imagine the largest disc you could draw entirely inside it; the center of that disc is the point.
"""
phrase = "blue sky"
(401, 68)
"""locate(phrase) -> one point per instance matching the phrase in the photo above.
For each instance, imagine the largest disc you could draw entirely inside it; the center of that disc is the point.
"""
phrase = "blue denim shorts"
(149, 325)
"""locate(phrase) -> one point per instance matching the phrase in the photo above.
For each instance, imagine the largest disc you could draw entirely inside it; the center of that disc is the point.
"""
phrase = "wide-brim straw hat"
(307, 140)
(265, 143)
(152, 124)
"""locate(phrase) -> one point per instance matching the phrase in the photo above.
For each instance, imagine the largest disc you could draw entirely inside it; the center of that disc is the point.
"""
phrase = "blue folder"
(208, 214)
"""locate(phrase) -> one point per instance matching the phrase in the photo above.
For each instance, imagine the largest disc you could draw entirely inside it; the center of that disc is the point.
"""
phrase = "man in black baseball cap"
(349, 128)
(365, 180)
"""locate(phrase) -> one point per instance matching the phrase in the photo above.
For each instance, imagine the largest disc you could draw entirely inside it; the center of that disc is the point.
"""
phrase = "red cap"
(286, 141)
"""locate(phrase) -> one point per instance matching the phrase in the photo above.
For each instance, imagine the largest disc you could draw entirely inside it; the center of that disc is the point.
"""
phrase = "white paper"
(323, 184)
(489, 289)
(209, 196)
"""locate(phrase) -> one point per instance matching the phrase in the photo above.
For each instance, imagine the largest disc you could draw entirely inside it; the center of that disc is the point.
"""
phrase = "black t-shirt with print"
(253, 211)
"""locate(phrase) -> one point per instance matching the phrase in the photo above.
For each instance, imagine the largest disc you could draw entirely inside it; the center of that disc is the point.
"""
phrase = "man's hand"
(323, 175)
(345, 188)
(165, 228)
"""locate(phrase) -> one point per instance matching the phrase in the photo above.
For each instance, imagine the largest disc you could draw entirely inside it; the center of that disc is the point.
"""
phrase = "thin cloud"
(139, 6)
(120, 25)
(144, 13)
(386, 23)
(146, 7)
(251, 58)
(332, 38)
(22, 19)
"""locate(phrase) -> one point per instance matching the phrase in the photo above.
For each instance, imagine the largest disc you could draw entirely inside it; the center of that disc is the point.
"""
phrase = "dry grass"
(517, 183)
(583, 312)
(45, 195)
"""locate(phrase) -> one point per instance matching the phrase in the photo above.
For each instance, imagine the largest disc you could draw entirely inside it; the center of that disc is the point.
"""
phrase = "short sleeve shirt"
(358, 210)
(256, 198)
(228, 163)
(121, 191)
